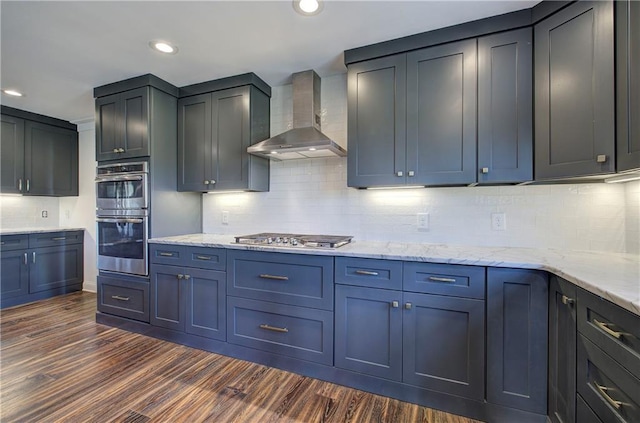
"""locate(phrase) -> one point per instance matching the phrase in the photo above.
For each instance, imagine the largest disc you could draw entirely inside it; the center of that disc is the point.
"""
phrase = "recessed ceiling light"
(308, 7)
(13, 93)
(163, 47)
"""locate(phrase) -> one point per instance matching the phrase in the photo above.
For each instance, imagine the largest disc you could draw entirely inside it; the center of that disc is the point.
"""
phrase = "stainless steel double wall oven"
(122, 217)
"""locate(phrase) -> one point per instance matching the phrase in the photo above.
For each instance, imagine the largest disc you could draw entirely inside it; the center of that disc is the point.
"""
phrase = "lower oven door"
(122, 244)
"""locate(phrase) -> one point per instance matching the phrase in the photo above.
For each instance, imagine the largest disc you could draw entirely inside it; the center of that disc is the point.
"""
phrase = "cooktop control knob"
(278, 240)
(293, 241)
(269, 240)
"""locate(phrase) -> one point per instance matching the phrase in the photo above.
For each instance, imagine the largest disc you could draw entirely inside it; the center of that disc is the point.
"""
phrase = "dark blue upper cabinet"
(574, 92)
(376, 126)
(12, 155)
(505, 103)
(628, 85)
(441, 115)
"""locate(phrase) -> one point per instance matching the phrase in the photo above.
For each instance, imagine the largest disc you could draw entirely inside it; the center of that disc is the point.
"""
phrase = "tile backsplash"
(312, 196)
(26, 212)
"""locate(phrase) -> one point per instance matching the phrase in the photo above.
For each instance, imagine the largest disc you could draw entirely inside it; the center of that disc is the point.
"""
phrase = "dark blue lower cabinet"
(189, 300)
(368, 331)
(443, 345)
(14, 279)
(55, 267)
(517, 330)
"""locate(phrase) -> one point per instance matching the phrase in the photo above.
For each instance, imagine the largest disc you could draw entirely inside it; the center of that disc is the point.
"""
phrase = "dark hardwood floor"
(58, 365)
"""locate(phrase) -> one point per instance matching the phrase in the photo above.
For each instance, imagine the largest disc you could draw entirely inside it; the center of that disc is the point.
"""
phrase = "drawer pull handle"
(203, 258)
(273, 328)
(275, 277)
(603, 391)
(605, 328)
(166, 254)
(118, 297)
(59, 238)
(567, 301)
(439, 279)
(366, 273)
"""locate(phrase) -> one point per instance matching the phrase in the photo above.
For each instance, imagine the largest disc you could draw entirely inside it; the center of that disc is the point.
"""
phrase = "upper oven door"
(120, 192)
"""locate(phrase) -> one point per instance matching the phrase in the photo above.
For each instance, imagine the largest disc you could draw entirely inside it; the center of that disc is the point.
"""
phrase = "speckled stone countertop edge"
(26, 231)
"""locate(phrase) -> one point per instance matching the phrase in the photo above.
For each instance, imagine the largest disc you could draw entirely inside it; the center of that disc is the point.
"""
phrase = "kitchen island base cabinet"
(189, 300)
(517, 331)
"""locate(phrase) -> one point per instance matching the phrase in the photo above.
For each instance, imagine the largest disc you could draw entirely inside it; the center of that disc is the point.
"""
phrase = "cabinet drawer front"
(369, 272)
(444, 279)
(123, 298)
(283, 278)
(611, 391)
(50, 239)
(584, 414)
(612, 328)
(297, 332)
(181, 255)
(14, 242)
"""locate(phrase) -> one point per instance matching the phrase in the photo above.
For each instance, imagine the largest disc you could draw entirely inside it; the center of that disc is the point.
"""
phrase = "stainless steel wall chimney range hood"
(305, 139)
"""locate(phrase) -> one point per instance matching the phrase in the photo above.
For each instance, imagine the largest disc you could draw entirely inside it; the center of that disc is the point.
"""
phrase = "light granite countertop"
(615, 277)
(21, 231)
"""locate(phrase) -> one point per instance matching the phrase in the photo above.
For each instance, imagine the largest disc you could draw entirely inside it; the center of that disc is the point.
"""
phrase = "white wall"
(311, 196)
(81, 211)
(632, 216)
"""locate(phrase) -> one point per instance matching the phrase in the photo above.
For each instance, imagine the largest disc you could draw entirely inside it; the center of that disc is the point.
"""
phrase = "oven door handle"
(125, 220)
(119, 178)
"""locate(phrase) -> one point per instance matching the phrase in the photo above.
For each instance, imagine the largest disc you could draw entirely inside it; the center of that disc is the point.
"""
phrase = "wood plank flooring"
(58, 365)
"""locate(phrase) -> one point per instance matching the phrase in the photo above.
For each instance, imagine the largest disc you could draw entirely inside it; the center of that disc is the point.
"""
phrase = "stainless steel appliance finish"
(122, 243)
(122, 186)
(294, 240)
(305, 140)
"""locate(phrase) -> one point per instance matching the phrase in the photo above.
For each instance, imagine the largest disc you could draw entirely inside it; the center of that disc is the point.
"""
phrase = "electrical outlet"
(45, 214)
(498, 221)
(67, 214)
(422, 221)
(225, 217)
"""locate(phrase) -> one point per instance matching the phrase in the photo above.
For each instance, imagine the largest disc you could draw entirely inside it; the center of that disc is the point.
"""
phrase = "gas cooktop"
(294, 240)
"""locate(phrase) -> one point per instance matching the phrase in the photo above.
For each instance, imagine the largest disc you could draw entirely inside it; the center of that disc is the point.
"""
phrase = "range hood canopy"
(305, 140)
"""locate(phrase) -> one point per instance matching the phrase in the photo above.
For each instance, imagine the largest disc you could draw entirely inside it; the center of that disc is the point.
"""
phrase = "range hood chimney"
(305, 139)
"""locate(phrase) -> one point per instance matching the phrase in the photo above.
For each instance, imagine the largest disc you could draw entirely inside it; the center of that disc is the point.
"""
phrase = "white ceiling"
(57, 52)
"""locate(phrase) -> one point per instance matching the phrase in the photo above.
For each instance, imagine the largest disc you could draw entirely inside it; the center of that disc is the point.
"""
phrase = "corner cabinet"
(39, 155)
(574, 94)
(627, 84)
(214, 131)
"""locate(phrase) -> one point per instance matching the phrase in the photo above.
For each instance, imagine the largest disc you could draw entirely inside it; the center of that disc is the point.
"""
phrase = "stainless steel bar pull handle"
(166, 254)
(567, 301)
(273, 328)
(28, 184)
(26, 259)
(203, 258)
(274, 277)
(118, 297)
(440, 279)
(605, 327)
(366, 273)
(115, 150)
(603, 391)
(20, 184)
(58, 238)
(33, 256)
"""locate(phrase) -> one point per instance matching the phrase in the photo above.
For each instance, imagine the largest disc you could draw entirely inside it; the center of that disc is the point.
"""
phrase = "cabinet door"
(55, 267)
(574, 96)
(195, 149)
(505, 102)
(517, 304)
(562, 351)
(205, 303)
(627, 84)
(441, 114)
(12, 155)
(368, 330)
(167, 297)
(231, 137)
(376, 128)
(51, 160)
(108, 132)
(14, 270)
(443, 344)
(134, 126)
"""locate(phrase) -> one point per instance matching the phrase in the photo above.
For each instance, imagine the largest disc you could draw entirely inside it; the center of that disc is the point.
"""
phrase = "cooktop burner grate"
(294, 240)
